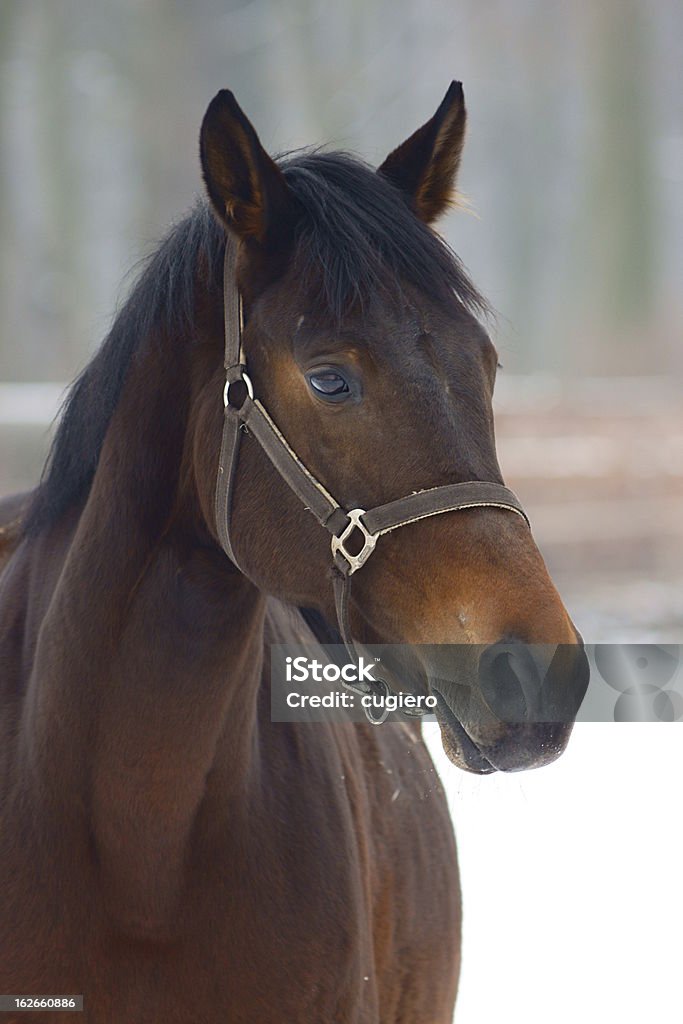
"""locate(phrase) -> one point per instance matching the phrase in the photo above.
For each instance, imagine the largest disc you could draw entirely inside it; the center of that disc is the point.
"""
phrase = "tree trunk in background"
(615, 261)
(7, 42)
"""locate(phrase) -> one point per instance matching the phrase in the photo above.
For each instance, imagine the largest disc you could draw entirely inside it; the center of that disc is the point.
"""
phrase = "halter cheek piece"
(244, 413)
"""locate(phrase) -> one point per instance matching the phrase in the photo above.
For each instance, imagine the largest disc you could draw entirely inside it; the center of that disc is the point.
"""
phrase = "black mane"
(361, 233)
(357, 234)
(162, 299)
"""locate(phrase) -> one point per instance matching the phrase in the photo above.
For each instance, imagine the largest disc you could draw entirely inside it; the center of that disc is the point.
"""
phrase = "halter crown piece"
(245, 413)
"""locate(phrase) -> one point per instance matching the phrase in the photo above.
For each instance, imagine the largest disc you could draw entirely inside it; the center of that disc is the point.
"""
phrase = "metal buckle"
(242, 379)
(370, 539)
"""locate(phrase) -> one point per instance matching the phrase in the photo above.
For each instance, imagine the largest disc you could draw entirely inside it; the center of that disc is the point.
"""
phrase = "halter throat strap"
(244, 413)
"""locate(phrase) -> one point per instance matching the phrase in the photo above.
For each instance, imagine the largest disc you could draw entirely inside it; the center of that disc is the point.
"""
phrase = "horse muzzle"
(519, 711)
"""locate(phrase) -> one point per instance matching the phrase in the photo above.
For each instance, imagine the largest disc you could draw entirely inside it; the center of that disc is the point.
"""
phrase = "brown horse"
(166, 849)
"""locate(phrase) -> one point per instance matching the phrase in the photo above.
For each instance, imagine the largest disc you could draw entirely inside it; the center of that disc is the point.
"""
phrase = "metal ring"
(384, 712)
(243, 378)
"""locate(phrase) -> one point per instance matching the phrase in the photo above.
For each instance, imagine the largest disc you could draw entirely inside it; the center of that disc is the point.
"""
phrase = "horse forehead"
(377, 321)
(408, 328)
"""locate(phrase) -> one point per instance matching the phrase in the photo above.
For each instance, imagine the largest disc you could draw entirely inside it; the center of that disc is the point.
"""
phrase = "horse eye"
(328, 384)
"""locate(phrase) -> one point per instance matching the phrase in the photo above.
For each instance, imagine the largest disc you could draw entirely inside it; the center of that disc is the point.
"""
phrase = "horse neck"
(148, 660)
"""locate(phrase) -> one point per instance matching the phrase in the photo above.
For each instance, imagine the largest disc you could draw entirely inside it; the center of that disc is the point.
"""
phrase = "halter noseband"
(244, 412)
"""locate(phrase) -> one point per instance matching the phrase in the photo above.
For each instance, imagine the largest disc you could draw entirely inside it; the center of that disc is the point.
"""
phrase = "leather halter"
(245, 413)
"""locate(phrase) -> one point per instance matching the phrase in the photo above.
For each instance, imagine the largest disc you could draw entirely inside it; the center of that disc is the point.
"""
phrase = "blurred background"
(574, 173)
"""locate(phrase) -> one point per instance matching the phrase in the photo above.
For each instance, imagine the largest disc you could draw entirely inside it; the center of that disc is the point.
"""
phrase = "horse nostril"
(509, 681)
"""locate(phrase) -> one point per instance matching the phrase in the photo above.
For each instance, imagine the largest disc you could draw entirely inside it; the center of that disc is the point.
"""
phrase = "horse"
(166, 849)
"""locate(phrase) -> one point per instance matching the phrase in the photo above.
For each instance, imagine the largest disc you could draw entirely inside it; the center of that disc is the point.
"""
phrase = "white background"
(572, 881)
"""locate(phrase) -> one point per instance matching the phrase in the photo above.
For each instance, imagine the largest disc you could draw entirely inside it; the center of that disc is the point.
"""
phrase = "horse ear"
(425, 166)
(246, 187)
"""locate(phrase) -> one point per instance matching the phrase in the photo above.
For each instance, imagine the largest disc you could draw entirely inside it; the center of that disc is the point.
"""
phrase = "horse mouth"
(459, 747)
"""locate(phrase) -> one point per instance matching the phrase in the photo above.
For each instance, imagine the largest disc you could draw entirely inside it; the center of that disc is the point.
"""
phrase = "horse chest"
(343, 902)
(314, 900)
